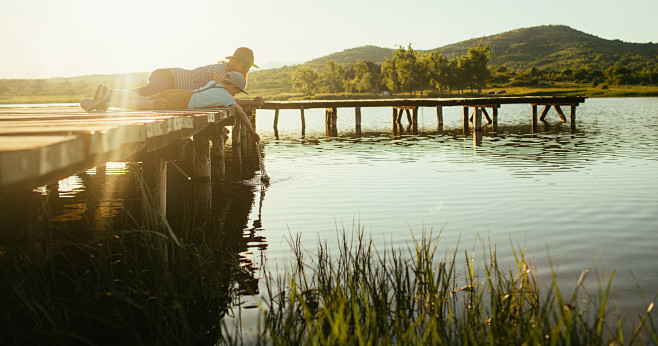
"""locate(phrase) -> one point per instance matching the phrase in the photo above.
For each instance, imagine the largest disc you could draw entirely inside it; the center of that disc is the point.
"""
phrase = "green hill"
(353, 55)
(552, 47)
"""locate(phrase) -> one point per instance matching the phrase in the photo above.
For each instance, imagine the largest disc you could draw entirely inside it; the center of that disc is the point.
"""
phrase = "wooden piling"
(465, 129)
(276, 120)
(357, 120)
(486, 115)
(439, 119)
(573, 119)
(478, 119)
(201, 158)
(218, 162)
(415, 121)
(301, 110)
(334, 121)
(154, 172)
(544, 112)
(560, 113)
(494, 116)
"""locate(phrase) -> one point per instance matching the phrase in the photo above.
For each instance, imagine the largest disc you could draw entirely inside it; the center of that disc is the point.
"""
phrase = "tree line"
(407, 71)
(412, 71)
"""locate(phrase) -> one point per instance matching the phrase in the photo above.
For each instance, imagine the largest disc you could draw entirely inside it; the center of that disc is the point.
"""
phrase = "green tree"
(390, 77)
(364, 76)
(479, 73)
(305, 79)
(408, 68)
(333, 77)
(438, 68)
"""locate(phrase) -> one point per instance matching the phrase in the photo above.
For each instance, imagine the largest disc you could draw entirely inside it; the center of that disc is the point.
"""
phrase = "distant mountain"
(550, 46)
(353, 55)
(554, 47)
(278, 63)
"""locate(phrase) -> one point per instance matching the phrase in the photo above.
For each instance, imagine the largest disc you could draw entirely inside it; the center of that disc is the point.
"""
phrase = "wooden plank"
(28, 157)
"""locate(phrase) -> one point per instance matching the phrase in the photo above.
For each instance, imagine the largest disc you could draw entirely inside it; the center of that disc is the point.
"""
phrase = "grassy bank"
(360, 296)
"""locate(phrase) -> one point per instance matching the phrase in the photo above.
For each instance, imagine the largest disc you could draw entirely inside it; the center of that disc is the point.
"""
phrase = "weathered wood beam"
(544, 112)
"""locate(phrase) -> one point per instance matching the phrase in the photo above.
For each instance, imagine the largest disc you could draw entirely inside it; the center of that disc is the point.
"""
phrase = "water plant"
(139, 286)
(411, 296)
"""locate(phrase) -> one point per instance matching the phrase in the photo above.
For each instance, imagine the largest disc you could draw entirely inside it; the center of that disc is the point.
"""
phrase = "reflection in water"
(85, 207)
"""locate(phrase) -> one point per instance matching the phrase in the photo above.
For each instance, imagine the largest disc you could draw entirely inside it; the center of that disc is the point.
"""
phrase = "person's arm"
(256, 102)
(245, 120)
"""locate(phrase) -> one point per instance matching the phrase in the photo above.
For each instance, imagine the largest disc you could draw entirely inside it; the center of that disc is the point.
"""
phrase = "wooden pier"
(473, 110)
(39, 146)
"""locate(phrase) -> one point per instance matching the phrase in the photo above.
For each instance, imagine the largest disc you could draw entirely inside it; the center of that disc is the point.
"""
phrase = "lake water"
(587, 199)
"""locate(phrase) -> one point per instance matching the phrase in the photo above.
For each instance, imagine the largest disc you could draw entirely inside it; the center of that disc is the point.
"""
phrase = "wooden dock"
(473, 109)
(39, 146)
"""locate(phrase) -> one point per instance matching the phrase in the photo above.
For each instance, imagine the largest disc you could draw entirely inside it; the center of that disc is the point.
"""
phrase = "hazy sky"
(47, 38)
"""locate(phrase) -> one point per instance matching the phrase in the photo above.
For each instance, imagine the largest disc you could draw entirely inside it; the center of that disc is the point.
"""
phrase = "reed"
(142, 286)
(411, 296)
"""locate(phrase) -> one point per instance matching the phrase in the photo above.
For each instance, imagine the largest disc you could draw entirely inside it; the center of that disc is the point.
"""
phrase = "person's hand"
(256, 137)
(258, 101)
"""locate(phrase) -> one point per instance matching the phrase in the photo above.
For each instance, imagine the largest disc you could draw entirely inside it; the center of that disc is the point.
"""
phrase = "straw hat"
(244, 55)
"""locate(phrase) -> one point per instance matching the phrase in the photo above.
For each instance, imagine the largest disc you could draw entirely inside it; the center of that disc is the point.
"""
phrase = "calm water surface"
(586, 199)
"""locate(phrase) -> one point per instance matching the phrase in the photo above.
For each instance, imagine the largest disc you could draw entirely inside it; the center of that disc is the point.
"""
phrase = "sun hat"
(244, 55)
(237, 79)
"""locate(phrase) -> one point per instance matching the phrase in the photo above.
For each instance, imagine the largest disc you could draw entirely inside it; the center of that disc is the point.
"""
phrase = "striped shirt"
(197, 78)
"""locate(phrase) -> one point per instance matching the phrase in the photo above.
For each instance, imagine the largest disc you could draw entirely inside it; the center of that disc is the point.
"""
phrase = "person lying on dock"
(178, 78)
(214, 94)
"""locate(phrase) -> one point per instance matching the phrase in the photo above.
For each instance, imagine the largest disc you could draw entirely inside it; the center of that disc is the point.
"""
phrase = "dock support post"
(276, 123)
(573, 119)
(327, 121)
(478, 119)
(415, 121)
(494, 118)
(301, 110)
(154, 171)
(409, 119)
(334, 121)
(544, 112)
(534, 118)
(218, 160)
(357, 121)
(486, 115)
(560, 113)
(236, 143)
(439, 119)
(201, 158)
(465, 120)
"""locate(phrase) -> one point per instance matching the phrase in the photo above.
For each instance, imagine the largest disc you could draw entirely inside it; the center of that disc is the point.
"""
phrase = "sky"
(64, 38)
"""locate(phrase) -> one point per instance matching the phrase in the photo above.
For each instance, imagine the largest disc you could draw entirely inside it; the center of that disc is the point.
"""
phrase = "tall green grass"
(145, 286)
(413, 296)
